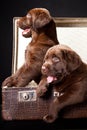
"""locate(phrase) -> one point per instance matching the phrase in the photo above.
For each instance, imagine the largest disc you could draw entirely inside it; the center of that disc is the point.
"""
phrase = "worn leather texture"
(16, 105)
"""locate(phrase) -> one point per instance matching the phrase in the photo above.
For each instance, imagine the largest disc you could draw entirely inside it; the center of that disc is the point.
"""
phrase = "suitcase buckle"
(29, 95)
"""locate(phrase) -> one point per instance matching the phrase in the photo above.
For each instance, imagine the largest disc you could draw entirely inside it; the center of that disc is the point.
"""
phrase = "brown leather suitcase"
(23, 104)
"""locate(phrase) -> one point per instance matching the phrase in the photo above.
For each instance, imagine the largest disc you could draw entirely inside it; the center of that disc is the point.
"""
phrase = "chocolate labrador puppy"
(67, 73)
(38, 24)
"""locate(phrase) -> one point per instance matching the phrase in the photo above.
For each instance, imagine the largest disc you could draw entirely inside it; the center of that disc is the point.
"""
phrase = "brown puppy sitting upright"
(39, 25)
(64, 69)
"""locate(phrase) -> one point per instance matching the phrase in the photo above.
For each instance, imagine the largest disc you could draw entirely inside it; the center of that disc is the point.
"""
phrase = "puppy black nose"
(44, 69)
(18, 20)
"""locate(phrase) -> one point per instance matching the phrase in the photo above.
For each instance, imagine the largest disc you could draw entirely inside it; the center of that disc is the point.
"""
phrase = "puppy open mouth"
(50, 79)
(26, 32)
(55, 79)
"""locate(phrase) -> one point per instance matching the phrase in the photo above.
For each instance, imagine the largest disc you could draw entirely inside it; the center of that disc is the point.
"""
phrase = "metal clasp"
(29, 95)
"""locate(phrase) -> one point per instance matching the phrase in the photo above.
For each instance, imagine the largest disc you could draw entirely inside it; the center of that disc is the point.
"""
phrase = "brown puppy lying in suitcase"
(64, 69)
(39, 25)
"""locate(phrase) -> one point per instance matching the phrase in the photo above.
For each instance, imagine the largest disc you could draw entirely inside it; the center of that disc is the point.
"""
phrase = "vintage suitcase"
(23, 103)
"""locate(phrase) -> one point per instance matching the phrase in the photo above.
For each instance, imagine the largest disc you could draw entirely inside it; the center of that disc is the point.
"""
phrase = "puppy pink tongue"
(25, 31)
(51, 79)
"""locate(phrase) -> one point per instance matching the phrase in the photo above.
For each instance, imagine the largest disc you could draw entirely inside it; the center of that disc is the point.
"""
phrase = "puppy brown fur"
(64, 69)
(38, 24)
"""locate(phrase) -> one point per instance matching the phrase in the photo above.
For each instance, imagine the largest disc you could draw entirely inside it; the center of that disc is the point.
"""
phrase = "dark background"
(18, 8)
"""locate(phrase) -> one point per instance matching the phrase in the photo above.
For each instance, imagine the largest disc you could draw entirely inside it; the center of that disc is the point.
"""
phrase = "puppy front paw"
(41, 91)
(9, 82)
(49, 118)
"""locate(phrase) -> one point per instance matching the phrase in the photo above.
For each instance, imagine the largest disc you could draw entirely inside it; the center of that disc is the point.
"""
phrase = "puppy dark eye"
(55, 59)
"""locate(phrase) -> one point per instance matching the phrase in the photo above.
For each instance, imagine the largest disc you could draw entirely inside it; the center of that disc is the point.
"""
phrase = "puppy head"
(59, 61)
(36, 18)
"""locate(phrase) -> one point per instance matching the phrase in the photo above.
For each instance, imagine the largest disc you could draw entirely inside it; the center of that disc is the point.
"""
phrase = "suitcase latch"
(24, 96)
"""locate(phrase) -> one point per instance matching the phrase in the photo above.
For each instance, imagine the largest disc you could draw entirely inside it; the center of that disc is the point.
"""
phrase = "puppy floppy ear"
(72, 58)
(41, 19)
